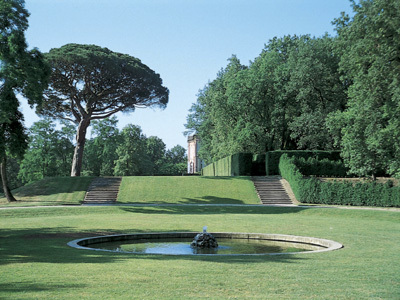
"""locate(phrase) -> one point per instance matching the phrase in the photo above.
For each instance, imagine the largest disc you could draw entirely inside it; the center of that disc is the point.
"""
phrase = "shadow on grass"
(246, 178)
(54, 185)
(197, 200)
(189, 210)
(17, 286)
(49, 245)
(211, 200)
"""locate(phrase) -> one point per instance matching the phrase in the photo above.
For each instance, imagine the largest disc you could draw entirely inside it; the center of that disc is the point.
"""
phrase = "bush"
(313, 190)
(324, 167)
(272, 157)
(258, 165)
(239, 164)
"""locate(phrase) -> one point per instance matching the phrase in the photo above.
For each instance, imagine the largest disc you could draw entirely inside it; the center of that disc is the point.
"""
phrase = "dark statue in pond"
(204, 240)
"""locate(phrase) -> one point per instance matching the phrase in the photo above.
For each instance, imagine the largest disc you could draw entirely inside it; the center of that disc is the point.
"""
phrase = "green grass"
(51, 191)
(36, 263)
(188, 189)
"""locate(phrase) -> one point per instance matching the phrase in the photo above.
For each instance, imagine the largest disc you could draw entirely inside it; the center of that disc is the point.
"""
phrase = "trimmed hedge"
(239, 164)
(272, 157)
(258, 165)
(324, 167)
(313, 190)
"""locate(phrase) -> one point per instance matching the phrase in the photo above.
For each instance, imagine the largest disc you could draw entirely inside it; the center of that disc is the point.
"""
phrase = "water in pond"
(181, 246)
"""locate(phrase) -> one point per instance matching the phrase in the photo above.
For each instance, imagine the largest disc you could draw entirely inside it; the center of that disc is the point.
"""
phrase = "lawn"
(36, 263)
(141, 189)
(187, 190)
(51, 191)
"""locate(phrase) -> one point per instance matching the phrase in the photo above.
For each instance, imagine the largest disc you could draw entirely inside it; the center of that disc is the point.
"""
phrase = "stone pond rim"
(326, 245)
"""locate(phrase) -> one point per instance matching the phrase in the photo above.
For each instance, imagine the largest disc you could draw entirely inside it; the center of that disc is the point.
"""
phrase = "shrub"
(258, 165)
(313, 190)
(239, 164)
(272, 158)
(324, 167)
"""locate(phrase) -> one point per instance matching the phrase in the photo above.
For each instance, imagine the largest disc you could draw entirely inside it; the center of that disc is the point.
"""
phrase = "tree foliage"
(129, 152)
(49, 153)
(89, 83)
(109, 152)
(21, 71)
(100, 154)
(131, 160)
(313, 93)
(280, 101)
(369, 46)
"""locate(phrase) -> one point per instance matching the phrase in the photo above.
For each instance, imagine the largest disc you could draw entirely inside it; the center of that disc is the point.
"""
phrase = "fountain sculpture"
(204, 240)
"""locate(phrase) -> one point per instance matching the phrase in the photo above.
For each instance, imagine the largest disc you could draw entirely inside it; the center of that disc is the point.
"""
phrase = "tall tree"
(315, 81)
(100, 154)
(175, 162)
(21, 71)
(155, 149)
(369, 46)
(132, 156)
(49, 152)
(280, 101)
(90, 83)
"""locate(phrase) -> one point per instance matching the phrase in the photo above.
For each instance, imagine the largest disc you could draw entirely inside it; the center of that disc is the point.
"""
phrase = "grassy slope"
(51, 191)
(36, 263)
(174, 190)
(190, 189)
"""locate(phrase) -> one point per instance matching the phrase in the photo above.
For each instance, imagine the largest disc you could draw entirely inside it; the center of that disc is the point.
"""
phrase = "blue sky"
(186, 41)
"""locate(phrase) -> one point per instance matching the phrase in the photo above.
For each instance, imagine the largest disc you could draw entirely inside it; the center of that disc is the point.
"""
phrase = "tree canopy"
(369, 47)
(89, 83)
(109, 152)
(324, 93)
(21, 71)
(280, 101)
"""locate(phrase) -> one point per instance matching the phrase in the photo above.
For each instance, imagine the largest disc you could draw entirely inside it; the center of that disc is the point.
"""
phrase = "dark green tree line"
(369, 47)
(280, 101)
(49, 153)
(109, 152)
(313, 93)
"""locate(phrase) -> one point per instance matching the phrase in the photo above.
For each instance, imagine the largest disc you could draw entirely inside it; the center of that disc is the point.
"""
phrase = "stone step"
(267, 196)
(279, 200)
(103, 190)
(270, 191)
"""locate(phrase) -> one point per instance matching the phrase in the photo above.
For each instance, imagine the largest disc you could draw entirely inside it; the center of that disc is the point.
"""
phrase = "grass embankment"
(188, 190)
(51, 191)
(146, 189)
(36, 263)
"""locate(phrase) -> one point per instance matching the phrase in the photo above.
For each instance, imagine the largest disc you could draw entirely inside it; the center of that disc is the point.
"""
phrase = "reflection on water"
(226, 246)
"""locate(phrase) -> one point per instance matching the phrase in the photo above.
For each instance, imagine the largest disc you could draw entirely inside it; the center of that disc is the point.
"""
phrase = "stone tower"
(195, 164)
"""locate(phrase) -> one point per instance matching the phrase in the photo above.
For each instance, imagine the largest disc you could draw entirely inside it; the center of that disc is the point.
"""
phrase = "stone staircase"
(103, 190)
(271, 191)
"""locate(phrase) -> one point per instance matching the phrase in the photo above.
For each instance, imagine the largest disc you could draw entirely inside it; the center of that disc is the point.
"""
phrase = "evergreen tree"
(21, 71)
(90, 83)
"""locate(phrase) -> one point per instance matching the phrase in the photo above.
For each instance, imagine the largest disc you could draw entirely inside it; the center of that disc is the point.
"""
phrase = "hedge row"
(239, 164)
(313, 190)
(324, 167)
(272, 157)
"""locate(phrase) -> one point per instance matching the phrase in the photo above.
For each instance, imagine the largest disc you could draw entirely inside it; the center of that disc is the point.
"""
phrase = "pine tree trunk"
(80, 145)
(6, 189)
